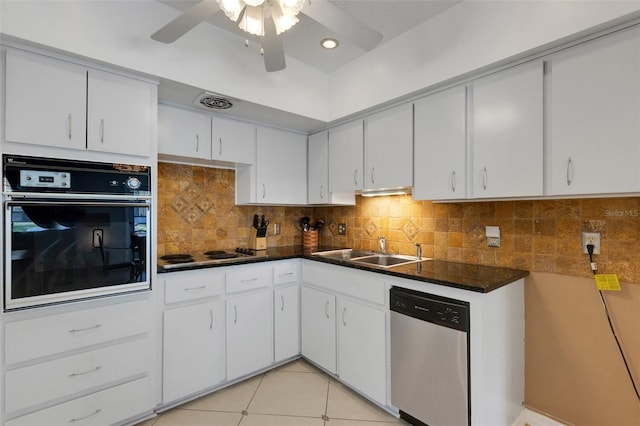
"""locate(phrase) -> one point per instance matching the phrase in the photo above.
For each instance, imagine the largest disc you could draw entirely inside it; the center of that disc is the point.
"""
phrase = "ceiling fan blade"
(185, 22)
(272, 47)
(337, 20)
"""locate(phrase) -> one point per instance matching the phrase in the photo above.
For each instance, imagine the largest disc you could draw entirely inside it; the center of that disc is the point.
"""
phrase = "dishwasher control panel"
(439, 310)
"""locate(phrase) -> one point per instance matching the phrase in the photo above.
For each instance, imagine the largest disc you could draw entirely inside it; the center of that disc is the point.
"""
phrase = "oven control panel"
(44, 179)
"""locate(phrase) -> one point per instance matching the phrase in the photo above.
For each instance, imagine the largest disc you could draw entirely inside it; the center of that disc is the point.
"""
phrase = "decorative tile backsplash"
(197, 212)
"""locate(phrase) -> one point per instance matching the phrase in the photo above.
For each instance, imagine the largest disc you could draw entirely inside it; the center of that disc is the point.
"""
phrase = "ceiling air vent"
(213, 101)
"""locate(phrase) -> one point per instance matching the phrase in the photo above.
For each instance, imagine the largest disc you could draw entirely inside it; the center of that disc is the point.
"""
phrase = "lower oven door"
(61, 250)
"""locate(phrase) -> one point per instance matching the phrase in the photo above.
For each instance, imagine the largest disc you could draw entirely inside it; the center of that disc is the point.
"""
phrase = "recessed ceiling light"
(329, 43)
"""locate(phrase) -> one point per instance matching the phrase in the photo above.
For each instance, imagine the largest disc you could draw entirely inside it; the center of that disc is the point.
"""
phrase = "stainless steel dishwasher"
(430, 358)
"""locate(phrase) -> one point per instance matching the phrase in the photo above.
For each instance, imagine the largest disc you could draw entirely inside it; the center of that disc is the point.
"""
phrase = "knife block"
(258, 239)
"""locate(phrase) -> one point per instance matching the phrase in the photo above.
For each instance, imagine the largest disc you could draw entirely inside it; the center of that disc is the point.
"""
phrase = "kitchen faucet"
(418, 251)
(383, 244)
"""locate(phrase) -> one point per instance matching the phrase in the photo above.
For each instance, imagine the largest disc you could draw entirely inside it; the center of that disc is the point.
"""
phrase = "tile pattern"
(197, 212)
(541, 235)
(296, 394)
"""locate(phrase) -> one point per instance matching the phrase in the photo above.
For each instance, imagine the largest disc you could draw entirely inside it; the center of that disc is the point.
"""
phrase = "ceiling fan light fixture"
(252, 20)
(232, 8)
(281, 20)
(329, 43)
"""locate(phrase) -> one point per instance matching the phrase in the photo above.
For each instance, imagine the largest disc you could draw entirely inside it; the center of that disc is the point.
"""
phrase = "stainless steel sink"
(370, 258)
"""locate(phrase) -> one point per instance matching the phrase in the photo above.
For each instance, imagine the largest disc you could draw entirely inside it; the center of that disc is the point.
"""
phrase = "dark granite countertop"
(478, 278)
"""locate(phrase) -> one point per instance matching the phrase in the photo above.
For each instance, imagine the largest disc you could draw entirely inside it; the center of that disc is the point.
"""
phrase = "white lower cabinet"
(362, 348)
(249, 333)
(286, 322)
(193, 349)
(343, 333)
(319, 328)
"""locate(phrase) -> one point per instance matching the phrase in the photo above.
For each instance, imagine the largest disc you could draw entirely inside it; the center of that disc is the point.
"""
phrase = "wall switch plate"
(342, 229)
(591, 238)
(276, 229)
(98, 237)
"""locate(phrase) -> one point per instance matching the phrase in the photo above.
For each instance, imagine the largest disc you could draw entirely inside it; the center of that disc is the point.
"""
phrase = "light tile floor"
(295, 394)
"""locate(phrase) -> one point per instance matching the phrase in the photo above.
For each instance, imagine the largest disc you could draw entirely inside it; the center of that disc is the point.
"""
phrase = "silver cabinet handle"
(210, 319)
(344, 311)
(235, 318)
(485, 178)
(78, 419)
(249, 280)
(197, 142)
(322, 192)
(453, 181)
(82, 373)
(220, 149)
(264, 190)
(69, 125)
(373, 175)
(355, 176)
(282, 299)
(102, 130)
(569, 172)
(202, 287)
(80, 330)
(326, 309)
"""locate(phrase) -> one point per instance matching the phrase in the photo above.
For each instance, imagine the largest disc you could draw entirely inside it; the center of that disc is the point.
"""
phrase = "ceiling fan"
(322, 11)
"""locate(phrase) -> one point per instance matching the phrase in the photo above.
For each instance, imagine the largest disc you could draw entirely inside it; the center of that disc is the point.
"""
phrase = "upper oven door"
(64, 250)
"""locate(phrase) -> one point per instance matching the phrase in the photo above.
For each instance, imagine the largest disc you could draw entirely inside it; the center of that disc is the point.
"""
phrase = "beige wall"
(573, 370)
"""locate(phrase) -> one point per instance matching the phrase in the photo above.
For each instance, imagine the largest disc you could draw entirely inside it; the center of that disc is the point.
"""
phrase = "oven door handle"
(77, 203)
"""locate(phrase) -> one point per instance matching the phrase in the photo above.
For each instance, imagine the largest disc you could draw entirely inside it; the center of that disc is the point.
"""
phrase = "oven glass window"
(65, 247)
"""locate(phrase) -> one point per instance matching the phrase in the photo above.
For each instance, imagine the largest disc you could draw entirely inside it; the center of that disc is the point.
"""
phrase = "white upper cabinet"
(346, 160)
(45, 101)
(318, 180)
(183, 132)
(507, 133)
(280, 173)
(389, 148)
(440, 146)
(233, 141)
(59, 104)
(594, 110)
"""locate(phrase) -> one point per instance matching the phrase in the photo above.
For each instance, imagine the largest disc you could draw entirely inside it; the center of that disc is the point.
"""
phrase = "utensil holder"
(310, 239)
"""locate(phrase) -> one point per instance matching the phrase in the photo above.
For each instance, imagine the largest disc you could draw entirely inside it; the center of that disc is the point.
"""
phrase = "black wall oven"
(73, 230)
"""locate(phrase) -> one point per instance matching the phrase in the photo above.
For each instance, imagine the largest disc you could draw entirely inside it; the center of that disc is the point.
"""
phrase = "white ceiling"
(302, 42)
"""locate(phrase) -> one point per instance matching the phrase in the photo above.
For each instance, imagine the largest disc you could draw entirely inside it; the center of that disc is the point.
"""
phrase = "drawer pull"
(93, 370)
(202, 287)
(78, 419)
(80, 330)
(249, 280)
(287, 274)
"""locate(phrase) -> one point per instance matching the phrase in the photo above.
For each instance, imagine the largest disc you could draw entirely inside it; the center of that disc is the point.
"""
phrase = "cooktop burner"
(219, 254)
(177, 258)
(211, 257)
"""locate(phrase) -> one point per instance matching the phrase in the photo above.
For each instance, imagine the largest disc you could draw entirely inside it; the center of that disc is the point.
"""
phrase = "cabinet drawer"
(36, 384)
(38, 337)
(106, 407)
(189, 285)
(249, 278)
(363, 285)
(285, 273)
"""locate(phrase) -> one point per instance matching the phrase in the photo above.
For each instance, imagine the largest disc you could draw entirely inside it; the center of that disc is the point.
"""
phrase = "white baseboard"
(531, 418)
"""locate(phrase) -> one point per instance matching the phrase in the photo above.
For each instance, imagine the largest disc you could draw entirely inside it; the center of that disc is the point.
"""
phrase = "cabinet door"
(118, 114)
(286, 305)
(193, 349)
(362, 349)
(346, 157)
(233, 141)
(318, 185)
(249, 333)
(45, 101)
(319, 327)
(183, 133)
(595, 116)
(507, 131)
(440, 146)
(389, 149)
(282, 167)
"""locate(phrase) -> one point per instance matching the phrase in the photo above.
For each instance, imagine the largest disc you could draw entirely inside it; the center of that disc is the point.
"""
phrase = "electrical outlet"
(493, 241)
(98, 237)
(591, 238)
(342, 229)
